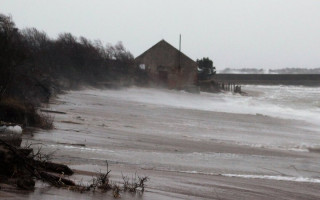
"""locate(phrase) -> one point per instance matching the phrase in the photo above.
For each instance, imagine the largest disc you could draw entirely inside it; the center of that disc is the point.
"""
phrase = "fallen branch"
(21, 165)
(54, 167)
(21, 161)
(52, 111)
(55, 180)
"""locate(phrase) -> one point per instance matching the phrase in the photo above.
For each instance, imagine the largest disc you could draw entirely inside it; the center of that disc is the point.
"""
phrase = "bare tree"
(36, 40)
(11, 52)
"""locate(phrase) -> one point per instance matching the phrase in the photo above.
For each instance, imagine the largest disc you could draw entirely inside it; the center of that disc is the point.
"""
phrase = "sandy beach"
(187, 153)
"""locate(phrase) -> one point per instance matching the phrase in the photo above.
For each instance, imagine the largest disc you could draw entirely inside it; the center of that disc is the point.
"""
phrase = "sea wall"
(270, 79)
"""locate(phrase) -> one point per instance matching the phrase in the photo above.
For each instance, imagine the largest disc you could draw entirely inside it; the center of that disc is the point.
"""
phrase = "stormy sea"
(263, 145)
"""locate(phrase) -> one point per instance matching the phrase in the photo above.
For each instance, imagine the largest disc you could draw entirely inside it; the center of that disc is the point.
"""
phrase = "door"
(163, 77)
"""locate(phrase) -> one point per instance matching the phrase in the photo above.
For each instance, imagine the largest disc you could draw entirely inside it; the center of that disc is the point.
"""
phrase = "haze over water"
(270, 135)
(287, 102)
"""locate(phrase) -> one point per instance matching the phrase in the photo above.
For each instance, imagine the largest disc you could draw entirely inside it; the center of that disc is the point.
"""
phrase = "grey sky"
(234, 33)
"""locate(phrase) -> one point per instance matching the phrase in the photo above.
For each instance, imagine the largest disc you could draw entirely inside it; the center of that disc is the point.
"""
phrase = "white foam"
(81, 148)
(11, 129)
(279, 178)
(293, 147)
(268, 177)
(196, 172)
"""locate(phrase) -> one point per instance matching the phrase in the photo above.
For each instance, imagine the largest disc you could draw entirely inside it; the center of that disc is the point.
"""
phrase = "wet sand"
(187, 153)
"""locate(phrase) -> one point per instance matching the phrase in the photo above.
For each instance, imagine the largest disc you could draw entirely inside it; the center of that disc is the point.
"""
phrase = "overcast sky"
(233, 33)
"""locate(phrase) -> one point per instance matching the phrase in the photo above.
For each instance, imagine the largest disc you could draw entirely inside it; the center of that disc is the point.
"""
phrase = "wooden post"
(180, 53)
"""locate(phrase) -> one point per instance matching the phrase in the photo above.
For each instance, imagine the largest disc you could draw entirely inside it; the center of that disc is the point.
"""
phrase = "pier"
(270, 79)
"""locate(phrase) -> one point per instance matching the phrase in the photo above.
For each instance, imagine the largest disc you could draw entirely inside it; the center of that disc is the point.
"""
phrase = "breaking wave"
(287, 102)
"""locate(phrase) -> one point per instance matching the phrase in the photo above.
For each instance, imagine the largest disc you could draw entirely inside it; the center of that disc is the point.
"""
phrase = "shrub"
(15, 111)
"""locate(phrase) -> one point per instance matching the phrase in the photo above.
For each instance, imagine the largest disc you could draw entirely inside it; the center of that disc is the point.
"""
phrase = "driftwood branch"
(36, 168)
(56, 180)
(21, 165)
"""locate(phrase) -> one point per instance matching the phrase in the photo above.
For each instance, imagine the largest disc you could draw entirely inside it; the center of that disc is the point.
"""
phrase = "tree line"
(33, 64)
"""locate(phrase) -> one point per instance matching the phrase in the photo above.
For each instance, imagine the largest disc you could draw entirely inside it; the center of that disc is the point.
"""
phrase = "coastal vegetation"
(206, 69)
(20, 166)
(34, 67)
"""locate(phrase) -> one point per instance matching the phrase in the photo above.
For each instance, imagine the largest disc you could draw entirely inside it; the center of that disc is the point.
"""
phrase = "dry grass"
(45, 121)
(136, 184)
(103, 183)
(26, 114)
(35, 164)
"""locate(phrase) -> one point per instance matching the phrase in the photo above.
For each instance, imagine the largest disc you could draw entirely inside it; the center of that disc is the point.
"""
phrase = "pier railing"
(232, 87)
(217, 86)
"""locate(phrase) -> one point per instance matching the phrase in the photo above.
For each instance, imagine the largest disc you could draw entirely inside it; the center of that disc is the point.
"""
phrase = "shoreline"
(151, 140)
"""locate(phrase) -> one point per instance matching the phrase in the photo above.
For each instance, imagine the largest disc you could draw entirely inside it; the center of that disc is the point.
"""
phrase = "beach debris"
(137, 183)
(72, 144)
(79, 118)
(52, 111)
(21, 166)
(102, 182)
(56, 180)
(70, 122)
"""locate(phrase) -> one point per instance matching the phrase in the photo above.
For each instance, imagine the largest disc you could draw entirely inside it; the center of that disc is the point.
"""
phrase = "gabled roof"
(165, 43)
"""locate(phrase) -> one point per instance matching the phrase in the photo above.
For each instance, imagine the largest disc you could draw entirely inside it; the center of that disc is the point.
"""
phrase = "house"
(167, 66)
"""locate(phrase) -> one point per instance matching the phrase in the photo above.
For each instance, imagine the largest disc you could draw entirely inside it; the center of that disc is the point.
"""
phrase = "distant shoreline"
(270, 79)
